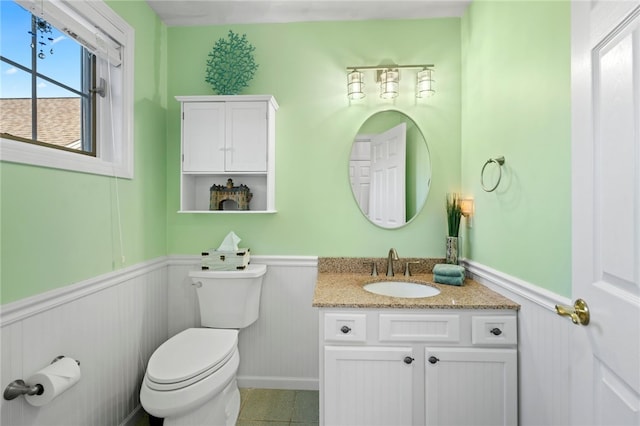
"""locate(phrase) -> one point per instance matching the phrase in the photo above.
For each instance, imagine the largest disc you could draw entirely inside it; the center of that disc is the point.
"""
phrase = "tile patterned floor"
(275, 407)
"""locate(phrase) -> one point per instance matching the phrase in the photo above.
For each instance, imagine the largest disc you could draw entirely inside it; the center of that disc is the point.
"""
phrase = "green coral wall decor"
(231, 65)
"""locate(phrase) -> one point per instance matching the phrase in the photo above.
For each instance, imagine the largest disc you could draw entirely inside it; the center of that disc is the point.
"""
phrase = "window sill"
(24, 153)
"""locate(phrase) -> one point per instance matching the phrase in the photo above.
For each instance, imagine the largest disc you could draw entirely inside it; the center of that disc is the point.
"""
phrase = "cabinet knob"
(345, 329)
(495, 331)
(408, 360)
(433, 359)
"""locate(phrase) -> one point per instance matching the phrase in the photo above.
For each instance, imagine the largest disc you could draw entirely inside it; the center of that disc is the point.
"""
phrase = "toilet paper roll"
(54, 379)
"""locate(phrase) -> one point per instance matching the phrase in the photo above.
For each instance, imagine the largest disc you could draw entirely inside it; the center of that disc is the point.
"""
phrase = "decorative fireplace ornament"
(221, 195)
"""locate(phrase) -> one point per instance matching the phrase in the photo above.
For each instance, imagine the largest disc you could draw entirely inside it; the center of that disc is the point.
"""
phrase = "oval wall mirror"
(390, 169)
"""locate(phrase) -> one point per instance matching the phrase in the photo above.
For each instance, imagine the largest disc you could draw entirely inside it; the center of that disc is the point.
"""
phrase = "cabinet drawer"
(494, 330)
(419, 328)
(345, 327)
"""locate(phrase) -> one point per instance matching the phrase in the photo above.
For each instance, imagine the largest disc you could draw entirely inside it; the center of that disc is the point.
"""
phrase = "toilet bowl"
(191, 378)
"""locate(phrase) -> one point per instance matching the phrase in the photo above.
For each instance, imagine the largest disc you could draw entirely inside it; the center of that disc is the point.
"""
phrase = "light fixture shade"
(424, 83)
(466, 207)
(389, 83)
(355, 85)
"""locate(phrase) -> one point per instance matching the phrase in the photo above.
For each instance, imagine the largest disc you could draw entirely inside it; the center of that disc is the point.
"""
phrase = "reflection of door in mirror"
(377, 170)
(359, 171)
(417, 170)
(387, 196)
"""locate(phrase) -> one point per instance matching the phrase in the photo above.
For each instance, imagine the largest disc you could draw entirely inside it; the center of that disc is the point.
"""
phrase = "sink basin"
(401, 289)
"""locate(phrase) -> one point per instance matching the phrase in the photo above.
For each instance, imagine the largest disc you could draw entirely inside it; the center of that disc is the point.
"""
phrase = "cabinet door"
(203, 132)
(246, 135)
(367, 386)
(468, 386)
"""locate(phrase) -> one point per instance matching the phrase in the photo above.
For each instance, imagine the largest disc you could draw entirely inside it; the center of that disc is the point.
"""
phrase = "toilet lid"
(191, 353)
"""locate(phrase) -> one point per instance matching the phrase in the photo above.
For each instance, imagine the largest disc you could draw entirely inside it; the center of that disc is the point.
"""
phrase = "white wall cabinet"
(227, 137)
(383, 367)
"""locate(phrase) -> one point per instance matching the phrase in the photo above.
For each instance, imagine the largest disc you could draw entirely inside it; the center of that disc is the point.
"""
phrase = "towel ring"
(499, 161)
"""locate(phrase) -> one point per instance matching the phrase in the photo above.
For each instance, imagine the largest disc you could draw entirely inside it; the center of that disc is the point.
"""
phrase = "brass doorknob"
(579, 312)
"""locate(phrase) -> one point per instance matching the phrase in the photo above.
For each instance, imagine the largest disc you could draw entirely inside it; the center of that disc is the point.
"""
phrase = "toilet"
(191, 378)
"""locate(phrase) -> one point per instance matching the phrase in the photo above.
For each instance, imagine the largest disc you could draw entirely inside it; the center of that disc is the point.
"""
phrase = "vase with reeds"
(454, 213)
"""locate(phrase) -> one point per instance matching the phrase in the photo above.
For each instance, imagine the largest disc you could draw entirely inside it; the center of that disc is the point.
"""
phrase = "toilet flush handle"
(197, 284)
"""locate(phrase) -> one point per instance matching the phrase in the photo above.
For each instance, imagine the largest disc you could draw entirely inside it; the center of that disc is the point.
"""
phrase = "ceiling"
(220, 12)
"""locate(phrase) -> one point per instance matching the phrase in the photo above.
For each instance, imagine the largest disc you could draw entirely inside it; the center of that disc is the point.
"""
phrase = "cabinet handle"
(408, 360)
(345, 329)
(495, 331)
(433, 359)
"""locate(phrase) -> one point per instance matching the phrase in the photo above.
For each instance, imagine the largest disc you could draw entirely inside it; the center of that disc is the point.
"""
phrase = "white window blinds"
(79, 20)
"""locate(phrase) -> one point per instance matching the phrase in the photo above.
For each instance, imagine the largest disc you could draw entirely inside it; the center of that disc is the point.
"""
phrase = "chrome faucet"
(393, 255)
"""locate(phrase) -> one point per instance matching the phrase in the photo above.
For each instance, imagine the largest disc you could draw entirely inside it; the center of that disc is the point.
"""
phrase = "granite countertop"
(339, 288)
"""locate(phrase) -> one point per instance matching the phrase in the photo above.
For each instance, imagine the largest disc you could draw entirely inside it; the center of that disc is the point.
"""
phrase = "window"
(66, 99)
(49, 94)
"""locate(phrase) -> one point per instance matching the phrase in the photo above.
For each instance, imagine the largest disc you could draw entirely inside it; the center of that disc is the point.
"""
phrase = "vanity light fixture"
(388, 77)
(355, 85)
(389, 83)
(424, 83)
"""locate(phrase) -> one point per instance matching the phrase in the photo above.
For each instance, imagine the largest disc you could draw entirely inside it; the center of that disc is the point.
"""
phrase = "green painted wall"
(516, 104)
(303, 66)
(61, 227)
(503, 88)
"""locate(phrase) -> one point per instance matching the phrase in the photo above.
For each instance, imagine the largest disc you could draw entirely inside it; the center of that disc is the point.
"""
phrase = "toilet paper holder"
(19, 387)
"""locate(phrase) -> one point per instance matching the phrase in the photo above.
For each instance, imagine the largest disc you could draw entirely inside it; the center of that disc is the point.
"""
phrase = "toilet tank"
(229, 299)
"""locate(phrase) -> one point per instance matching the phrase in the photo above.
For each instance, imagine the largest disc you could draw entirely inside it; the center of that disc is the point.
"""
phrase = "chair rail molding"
(497, 280)
(280, 260)
(29, 306)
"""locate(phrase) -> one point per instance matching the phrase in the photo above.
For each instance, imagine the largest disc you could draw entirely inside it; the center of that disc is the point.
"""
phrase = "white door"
(360, 171)
(388, 163)
(605, 358)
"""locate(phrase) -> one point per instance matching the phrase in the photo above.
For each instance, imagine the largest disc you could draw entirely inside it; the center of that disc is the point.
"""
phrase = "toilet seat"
(189, 357)
(178, 402)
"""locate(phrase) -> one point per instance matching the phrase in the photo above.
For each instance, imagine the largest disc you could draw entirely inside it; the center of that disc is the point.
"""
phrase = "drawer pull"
(433, 359)
(345, 329)
(495, 331)
(408, 360)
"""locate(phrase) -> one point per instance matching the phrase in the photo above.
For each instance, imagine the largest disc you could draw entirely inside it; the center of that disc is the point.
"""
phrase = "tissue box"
(217, 260)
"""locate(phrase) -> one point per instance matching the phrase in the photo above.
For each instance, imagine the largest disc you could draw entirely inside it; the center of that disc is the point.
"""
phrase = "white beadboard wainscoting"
(114, 322)
(543, 347)
(279, 350)
(111, 324)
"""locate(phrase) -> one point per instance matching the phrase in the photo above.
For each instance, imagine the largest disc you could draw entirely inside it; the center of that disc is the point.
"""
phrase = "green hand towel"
(443, 279)
(447, 270)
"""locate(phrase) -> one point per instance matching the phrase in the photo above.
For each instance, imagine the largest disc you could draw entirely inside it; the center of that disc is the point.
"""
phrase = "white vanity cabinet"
(368, 385)
(227, 137)
(428, 367)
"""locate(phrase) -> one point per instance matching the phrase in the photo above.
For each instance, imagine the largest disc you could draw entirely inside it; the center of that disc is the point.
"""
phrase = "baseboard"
(134, 418)
(497, 280)
(293, 383)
